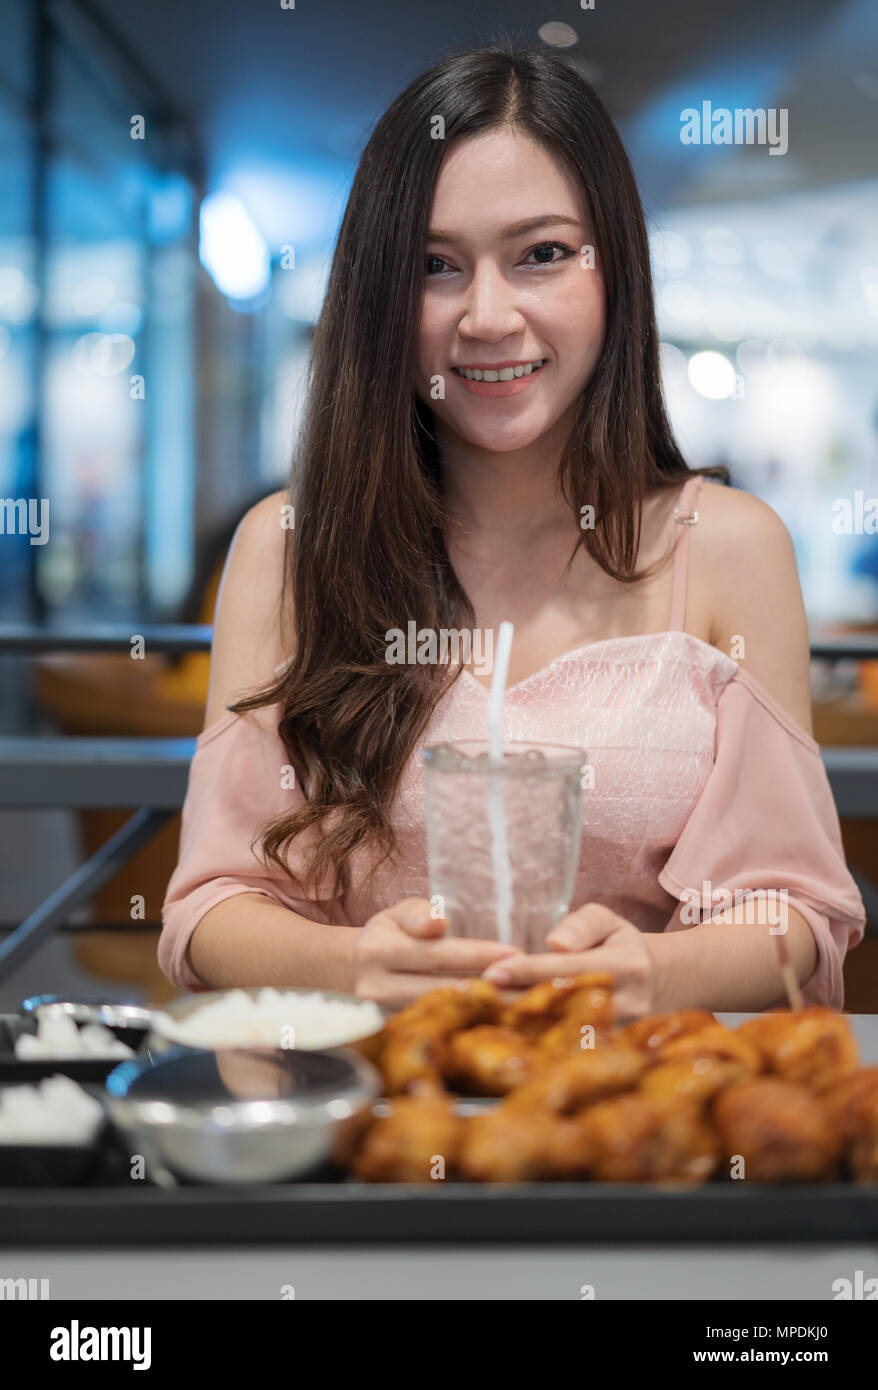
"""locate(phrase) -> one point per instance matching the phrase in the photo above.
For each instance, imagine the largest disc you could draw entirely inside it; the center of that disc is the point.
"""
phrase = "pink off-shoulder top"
(702, 782)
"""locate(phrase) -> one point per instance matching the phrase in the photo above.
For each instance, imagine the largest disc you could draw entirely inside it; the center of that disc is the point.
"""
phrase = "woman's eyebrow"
(532, 224)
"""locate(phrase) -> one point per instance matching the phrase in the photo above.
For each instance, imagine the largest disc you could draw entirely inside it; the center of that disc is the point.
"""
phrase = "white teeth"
(503, 374)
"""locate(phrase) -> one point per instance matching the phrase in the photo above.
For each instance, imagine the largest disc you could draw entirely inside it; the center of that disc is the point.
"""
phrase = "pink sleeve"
(766, 819)
(236, 786)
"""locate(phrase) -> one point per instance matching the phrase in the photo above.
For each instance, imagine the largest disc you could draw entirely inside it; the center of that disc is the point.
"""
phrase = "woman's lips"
(498, 388)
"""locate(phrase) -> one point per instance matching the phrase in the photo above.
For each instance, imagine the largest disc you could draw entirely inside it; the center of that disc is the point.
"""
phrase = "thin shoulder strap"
(685, 515)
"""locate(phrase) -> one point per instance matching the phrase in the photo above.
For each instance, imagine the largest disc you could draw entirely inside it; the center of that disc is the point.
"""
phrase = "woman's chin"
(499, 438)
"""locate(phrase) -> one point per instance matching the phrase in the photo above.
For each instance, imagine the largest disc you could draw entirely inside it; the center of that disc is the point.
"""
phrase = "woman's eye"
(429, 261)
(551, 246)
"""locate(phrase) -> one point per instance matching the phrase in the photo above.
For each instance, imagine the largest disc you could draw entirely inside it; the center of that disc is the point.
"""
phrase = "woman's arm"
(715, 965)
(743, 561)
(247, 643)
(400, 953)
(249, 940)
(727, 963)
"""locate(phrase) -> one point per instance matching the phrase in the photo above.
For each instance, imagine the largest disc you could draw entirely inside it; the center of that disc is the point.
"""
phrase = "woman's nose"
(490, 310)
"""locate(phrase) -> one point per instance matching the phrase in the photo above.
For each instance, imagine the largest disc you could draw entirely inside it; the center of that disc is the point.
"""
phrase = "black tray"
(15, 1070)
(333, 1210)
(51, 1165)
(349, 1213)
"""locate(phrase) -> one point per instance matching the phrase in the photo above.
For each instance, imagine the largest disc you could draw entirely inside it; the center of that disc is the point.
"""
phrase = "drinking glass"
(517, 890)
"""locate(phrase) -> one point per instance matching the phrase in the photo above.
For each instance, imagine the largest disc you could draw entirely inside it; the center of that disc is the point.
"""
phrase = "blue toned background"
(768, 263)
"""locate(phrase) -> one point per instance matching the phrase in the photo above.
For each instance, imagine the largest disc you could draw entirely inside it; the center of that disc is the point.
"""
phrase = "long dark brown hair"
(368, 550)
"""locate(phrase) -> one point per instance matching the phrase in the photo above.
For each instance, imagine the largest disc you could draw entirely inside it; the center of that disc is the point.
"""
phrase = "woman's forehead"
(499, 179)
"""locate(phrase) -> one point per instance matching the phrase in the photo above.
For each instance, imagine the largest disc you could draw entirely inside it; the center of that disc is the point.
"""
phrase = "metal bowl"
(241, 1114)
(129, 1022)
(188, 1004)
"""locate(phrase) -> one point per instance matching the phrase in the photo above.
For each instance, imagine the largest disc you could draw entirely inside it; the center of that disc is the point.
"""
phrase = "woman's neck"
(510, 495)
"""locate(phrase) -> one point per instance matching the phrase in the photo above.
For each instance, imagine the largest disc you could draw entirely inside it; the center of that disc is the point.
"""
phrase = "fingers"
(453, 955)
(520, 972)
(416, 916)
(588, 926)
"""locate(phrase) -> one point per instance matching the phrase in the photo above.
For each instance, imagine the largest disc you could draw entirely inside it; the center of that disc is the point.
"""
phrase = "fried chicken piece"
(414, 1039)
(568, 1036)
(505, 1145)
(640, 1138)
(697, 1081)
(814, 1046)
(586, 1019)
(853, 1105)
(410, 1057)
(651, 1033)
(406, 1145)
(853, 1099)
(715, 1041)
(487, 1060)
(863, 1148)
(568, 1148)
(460, 1005)
(547, 1002)
(589, 1075)
(532, 1134)
(780, 1129)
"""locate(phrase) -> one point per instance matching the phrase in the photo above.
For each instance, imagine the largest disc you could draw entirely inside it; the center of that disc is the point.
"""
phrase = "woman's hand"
(403, 951)
(593, 938)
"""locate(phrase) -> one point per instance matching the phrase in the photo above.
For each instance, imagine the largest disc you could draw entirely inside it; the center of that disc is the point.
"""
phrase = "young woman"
(494, 223)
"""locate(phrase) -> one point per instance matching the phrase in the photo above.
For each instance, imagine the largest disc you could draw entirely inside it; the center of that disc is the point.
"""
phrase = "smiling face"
(505, 288)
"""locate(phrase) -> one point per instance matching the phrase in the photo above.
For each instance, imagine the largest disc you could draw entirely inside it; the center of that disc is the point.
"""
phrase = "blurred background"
(172, 181)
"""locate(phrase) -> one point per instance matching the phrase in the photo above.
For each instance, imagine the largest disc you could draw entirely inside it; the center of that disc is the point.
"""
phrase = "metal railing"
(28, 639)
(150, 774)
(42, 771)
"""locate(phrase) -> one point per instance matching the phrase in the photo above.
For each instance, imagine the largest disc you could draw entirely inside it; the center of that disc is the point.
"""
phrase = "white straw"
(496, 817)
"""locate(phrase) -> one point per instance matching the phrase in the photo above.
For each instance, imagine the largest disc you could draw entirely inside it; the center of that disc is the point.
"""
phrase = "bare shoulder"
(732, 510)
(745, 560)
(249, 634)
(742, 543)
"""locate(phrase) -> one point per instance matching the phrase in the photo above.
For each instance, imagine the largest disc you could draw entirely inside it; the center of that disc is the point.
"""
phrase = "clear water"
(542, 806)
